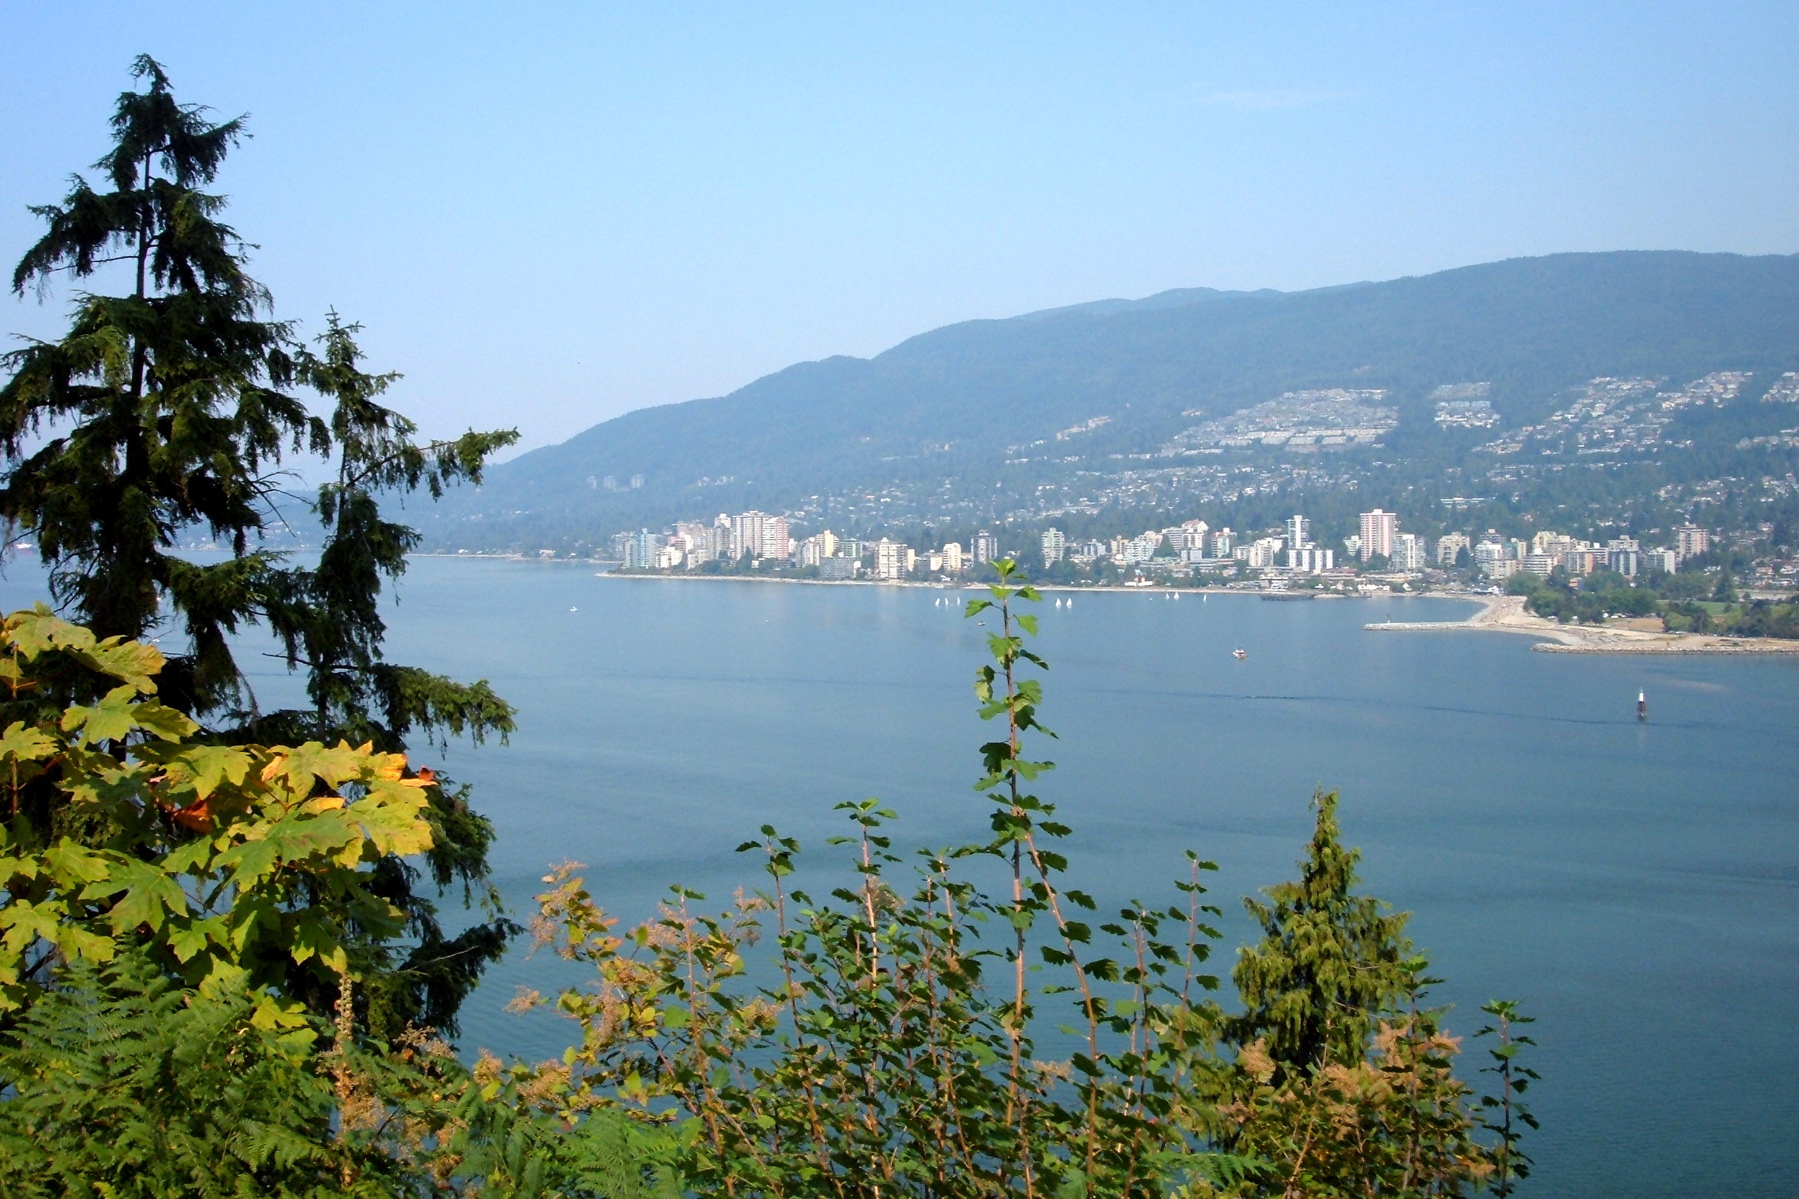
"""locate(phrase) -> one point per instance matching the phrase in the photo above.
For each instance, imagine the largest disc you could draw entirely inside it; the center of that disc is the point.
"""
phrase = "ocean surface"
(1636, 885)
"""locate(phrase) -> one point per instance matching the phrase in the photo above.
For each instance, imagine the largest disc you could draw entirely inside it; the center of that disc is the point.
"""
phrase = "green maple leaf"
(207, 766)
(26, 744)
(109, 720)
(150, 895)
(249, 861)
(303, 764)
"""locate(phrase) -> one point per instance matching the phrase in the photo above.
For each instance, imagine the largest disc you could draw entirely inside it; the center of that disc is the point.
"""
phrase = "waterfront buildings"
(1191, 549)
(1408, 552)
(894, 560)
(1378, 528)
(1311, 560)
(1622, 555)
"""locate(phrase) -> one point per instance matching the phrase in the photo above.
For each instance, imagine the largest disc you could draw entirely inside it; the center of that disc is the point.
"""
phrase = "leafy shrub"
(892, 1042)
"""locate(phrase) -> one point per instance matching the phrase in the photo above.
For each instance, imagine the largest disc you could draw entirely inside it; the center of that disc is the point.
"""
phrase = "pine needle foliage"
(1341, 1079)
(166, 413)
(1329, 962)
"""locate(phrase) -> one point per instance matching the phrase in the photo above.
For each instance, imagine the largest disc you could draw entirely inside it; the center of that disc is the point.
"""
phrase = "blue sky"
(548, 214)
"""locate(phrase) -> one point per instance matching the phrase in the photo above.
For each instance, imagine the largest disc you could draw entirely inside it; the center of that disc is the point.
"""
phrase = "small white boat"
(1239, 654)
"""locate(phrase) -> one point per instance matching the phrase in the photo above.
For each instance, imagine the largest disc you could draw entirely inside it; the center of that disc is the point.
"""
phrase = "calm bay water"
(1637, 885)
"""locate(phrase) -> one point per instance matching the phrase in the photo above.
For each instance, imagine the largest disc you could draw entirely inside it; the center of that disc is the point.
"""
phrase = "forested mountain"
(958, 402)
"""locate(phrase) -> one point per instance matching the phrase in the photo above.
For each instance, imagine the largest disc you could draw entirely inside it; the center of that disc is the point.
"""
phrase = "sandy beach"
(1506, 614)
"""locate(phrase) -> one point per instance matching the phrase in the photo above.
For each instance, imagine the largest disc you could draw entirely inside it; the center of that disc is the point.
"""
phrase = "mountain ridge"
(953, 399)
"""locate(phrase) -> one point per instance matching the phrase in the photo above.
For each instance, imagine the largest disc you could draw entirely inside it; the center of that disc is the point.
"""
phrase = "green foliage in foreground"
(165, 413)
(926, 1033)
(122, 828)
(124, 1086)
(926, 1036)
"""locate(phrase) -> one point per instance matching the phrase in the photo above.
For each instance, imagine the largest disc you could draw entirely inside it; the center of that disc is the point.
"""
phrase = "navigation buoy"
(1642, 706)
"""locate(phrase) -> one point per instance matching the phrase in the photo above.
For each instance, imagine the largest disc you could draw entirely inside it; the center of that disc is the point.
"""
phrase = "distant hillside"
(950, 402)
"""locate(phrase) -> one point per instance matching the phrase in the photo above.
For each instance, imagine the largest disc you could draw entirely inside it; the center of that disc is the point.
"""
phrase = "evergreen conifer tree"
(1329, 962)
(164, 413)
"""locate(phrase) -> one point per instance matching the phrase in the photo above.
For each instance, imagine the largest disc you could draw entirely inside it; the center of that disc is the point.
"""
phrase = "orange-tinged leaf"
(197, 816)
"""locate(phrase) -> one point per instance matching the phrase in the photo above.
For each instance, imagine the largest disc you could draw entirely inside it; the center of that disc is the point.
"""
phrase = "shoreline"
(1496, 614)
(1506, 614)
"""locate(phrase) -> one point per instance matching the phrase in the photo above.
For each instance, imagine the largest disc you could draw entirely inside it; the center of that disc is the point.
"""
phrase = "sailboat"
(1642, 706)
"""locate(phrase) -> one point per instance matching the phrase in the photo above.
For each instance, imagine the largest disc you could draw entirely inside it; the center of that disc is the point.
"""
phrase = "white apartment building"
(952, 558)
(1691, 540)
(1449, 545)
(775, 540)
(640, 549)
(984, 548)
(1261, 553)
(1623, 555)
(1189, 535)
(892, 560)
(1408, 552)
(1223, 541)
(1054, 546)
(1311, 560)
(692, 536)
(1378, 528)
(1299, 532)
(1581, 562)
(746, 534)
(1131, 551)
(1495, 560)
(1541, 564)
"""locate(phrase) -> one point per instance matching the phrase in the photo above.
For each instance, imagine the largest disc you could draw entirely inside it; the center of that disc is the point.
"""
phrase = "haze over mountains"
(965, 403)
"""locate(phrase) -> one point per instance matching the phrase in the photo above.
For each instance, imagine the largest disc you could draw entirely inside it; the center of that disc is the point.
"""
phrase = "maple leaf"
(299, 766)
(26, 744)
(109, 720)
